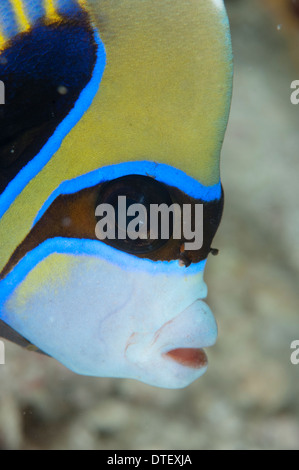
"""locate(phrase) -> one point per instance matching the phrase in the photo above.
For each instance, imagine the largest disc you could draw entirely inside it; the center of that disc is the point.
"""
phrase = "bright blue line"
(162, 172)
(85, 99)
(83, 247)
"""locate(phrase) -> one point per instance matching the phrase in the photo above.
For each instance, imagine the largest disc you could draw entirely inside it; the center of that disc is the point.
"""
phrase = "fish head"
(135, 104)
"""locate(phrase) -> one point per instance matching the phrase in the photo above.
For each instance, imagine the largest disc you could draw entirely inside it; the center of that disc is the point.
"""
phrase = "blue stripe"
(34, 10)
(83, 247)
(68, 7)
(162, 172)
(85, 99)
(8, 21)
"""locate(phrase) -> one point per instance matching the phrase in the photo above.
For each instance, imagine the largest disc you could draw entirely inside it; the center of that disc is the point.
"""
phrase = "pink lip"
(189, 357)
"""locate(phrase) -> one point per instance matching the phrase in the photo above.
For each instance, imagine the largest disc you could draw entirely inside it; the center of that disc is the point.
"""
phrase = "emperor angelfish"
(106, 99)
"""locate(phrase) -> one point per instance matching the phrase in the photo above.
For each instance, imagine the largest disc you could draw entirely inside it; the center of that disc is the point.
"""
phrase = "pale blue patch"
(34, 10)
(8, 21)
(68, 7)
(39, 161)
(162, 172)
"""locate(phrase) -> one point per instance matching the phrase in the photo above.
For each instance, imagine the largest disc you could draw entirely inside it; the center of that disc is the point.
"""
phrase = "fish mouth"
(195, 358)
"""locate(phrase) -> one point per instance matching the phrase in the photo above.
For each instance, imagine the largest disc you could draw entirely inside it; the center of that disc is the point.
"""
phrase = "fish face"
(120, 321)
(102, 310)
(134, 105)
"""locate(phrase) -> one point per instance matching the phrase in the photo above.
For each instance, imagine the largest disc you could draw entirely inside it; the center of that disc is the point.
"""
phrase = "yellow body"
(164, 96)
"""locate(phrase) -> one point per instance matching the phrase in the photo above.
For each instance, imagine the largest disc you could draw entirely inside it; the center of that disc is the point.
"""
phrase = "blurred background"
(249, 397)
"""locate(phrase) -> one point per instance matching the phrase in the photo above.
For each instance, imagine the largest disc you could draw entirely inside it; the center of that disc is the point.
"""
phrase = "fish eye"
(121, 194)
